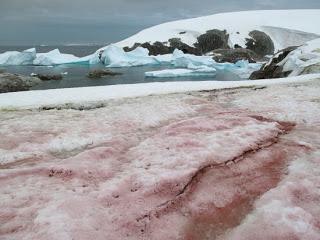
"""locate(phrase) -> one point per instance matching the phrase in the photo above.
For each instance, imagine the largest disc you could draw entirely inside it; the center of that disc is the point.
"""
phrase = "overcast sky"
(104, 21)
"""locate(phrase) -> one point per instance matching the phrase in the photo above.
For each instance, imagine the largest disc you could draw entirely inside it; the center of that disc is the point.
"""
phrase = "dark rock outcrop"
(211, 40)
(176, 43)
(49, 77)
(234, 55)
(260, 43)
(159, 48)
(271, 69)
(15, 82)
(129, 49)
(99, 73)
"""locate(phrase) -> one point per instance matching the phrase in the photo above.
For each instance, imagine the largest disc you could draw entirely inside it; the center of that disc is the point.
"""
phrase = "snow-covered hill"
(285, 27)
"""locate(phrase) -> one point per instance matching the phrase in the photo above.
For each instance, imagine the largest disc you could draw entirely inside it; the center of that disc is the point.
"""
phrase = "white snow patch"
(237, 24)
(34, 99)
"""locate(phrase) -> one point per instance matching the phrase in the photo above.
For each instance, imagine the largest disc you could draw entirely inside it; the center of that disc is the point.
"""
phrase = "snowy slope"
(286, 27)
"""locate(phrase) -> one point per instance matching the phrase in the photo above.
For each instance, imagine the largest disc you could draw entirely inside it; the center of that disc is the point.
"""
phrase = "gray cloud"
(103, 21)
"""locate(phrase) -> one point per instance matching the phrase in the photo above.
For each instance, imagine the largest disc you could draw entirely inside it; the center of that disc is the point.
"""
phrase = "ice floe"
(183, 72)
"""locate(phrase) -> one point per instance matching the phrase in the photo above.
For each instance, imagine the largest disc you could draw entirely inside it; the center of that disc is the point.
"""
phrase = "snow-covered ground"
(285, 27)
(238, 163)
(87, 95)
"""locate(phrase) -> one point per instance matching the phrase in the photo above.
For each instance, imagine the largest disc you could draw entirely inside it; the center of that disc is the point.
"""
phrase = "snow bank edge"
(84, 95)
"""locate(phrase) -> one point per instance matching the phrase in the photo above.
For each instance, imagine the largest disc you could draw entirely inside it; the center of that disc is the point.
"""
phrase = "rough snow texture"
(196, 165)
(297, 25)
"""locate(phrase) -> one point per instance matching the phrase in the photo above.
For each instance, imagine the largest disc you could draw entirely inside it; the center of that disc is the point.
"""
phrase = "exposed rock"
(260, 43)
(129, 49)
(234, 55)
(154, 49)
(271, 69)
(184, 32)
(2, 70)
(159, 48)
(211, 40)
(48, 77)
(175, 43)
(15, 82)
(99, 73)
(315, 68)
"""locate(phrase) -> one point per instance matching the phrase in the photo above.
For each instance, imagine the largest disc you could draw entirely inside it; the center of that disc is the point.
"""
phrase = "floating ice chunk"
(54, 57)
(139, 52)
(90, 59)
(18, 58)
(179, 59)
(243, 68)
(182, 72)
(114, 56)
(164, 59)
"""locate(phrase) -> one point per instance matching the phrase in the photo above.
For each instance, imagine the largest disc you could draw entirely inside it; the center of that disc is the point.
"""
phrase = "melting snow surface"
(178, 166)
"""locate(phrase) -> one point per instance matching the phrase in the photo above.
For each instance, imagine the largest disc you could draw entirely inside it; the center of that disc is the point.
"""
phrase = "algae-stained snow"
(229, 164)
(286, 27)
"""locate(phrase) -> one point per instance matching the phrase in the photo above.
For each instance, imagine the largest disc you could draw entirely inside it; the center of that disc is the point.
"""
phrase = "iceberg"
(113, 56)
(90, 59)
(180, 59)
(54, 57)
(183, 72)
(25, 57)
(241, 68)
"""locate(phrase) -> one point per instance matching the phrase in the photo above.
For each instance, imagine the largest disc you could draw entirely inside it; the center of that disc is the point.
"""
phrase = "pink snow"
(179, 166)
